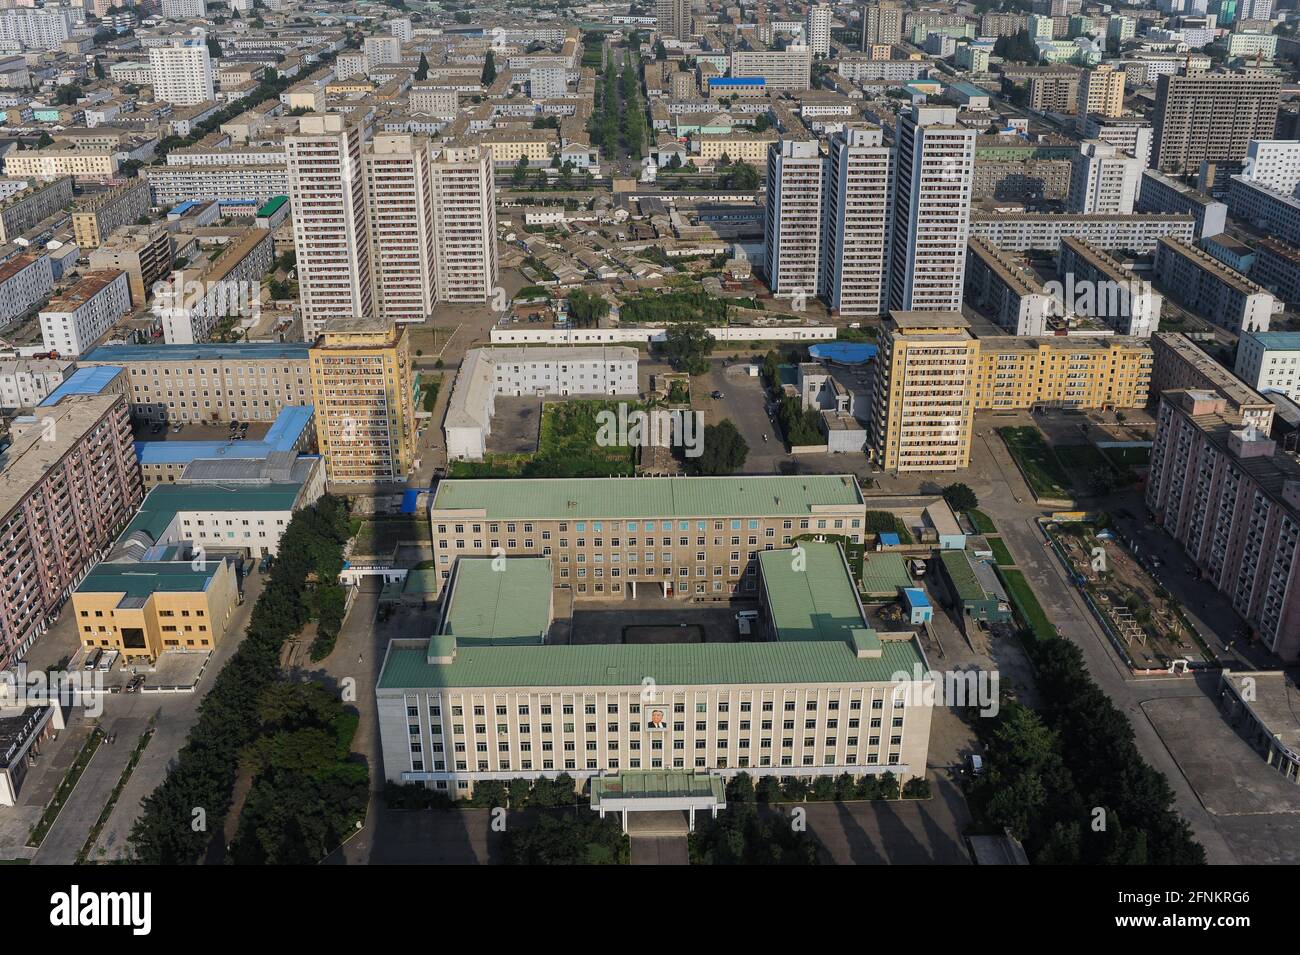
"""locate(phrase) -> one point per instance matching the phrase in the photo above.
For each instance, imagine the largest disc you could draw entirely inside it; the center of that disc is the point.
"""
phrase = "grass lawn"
(1000, 552)
(1040, 466)
(1026, 604)
(379, 535)
(566, 447)
(1128, 457)
(982, 523)
(1080, 459)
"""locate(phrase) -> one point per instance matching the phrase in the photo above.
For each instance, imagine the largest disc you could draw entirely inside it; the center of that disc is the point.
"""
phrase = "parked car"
(156, 429)
(91, 661)
(717, 396)
(176, 429)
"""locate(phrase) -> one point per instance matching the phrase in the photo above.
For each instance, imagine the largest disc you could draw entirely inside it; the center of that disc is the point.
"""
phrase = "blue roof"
(737, 80)
(83, 381)
(916, 597)
(890, 539)
(283, 435)
(1278, 341)
(184, 207)
(846, 353)
(969, 89)
(205, 352)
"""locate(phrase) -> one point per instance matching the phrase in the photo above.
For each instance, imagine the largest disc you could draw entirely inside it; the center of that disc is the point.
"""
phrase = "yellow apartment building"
(922, 400)
(1017, 373)
(365, 415)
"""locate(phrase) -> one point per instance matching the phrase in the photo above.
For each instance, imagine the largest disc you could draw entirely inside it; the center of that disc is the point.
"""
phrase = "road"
(1006, 499)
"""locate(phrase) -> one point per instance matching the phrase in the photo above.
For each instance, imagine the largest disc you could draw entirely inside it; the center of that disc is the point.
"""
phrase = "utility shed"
(974, 587)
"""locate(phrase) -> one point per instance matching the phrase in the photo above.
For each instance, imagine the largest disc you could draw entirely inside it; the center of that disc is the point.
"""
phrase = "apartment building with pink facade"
(1224, 491)
(68, 483)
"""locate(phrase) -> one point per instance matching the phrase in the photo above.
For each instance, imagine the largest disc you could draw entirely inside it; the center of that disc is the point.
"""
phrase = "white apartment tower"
(817, 28)
(857, 219)
(327, 195)
(399, 209)
(401, 29)
(182, 73)
(1104, 179)
(465, 223)
(882, 22)
(381, 50)
(792, 221)
(935, 168)
(1274, 163)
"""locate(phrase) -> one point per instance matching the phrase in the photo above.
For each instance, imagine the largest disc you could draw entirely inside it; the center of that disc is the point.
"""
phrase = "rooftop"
(649, 497)
(83, 381)
(24, 463)
(162, 504)
(499, 604)
(690, 664)
(812, 600)
(140, 579)
(283, 435)
(245, 351)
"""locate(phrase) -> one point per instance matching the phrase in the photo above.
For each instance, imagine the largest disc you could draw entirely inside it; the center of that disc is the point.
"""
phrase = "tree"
(521, 172)
(463, 17)
(489, 69)
(723, 450)
(214, 47)
(688, 345)
(586, 309)
(99, 69)
(67, 94)
(422, 70)
(960, 497)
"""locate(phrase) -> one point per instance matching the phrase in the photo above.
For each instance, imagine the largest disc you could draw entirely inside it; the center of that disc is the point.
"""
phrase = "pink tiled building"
(1225, 492)
(68, 483)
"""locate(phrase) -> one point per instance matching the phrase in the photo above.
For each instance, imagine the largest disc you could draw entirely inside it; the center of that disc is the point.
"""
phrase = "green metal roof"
(690, 664)
(142, 579)
(646, 497)
(511, 605)
(962, 575)
(164, 501)
(815, 601)
(884, 573)
(665, 785)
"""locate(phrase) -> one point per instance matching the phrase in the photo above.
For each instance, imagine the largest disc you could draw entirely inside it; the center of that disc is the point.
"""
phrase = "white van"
(92, 658)
(747, 615)
(106, 660)
(976, 764)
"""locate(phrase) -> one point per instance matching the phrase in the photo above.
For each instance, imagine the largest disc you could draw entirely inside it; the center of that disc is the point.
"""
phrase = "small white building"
(1270, 361)
(73, 322)
(25, 383)
(489, 372)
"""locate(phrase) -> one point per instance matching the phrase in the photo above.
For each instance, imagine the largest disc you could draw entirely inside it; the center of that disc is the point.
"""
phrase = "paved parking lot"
(1255, 809)
(515, 426)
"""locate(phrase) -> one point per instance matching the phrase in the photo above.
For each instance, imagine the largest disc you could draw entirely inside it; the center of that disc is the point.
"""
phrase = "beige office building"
(489, 698)
(680, 537)
(361, 384)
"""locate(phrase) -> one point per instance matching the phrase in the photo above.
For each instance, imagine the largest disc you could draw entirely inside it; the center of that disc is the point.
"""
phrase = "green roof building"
(651, 726)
